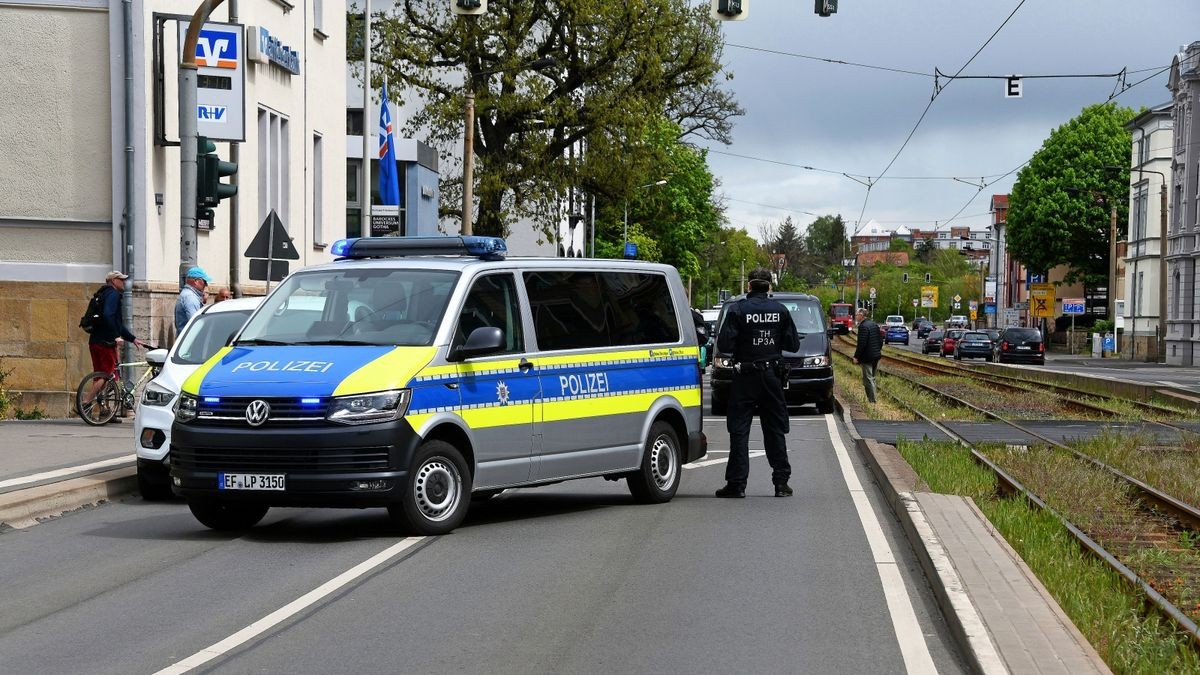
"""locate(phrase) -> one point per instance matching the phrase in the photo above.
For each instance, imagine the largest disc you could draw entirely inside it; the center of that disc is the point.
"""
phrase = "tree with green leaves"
(723, 258)
(618, 68)
(1059, 208)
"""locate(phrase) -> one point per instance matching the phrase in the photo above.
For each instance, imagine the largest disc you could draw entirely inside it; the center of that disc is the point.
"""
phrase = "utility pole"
(468, 188)
(365, 226)
(187, 138)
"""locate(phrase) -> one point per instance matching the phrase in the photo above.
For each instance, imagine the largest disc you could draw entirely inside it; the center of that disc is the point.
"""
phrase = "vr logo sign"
(211, 113)
(217, 48)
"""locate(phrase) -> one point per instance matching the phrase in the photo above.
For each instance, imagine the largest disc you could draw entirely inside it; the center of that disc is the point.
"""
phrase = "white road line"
(59, 473)
(289, 610)
(709, 462)
(913, 648)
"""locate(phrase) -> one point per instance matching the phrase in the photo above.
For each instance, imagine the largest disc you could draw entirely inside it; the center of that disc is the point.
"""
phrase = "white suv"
(894, 320)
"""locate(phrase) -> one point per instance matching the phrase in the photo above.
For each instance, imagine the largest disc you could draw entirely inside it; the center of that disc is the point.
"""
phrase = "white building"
(71, 210)
(1183, 233)
(1149, 176)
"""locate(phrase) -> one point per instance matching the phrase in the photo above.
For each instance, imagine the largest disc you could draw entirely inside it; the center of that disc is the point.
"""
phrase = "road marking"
(70, 470)
(904, 620)
(709, 462)
(289, 610)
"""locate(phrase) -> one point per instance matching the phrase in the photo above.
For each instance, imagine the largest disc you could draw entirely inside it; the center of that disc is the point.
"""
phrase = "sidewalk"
(48, 467)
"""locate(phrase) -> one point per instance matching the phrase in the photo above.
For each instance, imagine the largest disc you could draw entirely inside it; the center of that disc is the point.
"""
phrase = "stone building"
(1183, 228)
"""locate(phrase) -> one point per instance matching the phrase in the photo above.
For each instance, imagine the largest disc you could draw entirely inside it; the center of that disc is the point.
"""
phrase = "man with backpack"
(103, 317)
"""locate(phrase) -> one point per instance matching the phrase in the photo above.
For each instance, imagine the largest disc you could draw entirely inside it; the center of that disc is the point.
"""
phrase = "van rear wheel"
(657, 480)
(437, 493)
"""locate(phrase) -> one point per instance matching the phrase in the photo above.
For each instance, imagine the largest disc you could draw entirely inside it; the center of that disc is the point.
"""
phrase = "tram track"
(1167, 512)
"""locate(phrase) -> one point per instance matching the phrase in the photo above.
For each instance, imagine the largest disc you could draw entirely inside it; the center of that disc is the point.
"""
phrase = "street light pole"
(1112, 266)
(625, 237)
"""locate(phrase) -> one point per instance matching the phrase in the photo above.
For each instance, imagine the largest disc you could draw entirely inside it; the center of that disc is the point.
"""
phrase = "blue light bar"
(212, 399)
(485, 248)
(310, 401)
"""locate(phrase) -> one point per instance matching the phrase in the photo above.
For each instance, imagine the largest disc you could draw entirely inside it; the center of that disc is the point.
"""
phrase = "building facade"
(97, 183)
(1183, 226)
(1149, 176)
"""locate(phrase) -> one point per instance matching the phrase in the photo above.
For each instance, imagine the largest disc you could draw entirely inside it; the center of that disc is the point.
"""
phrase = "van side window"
(492, 301)
(579, 310)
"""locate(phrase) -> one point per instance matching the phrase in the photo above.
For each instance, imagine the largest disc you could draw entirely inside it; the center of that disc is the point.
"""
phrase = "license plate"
(250, 481)
(1023, 347)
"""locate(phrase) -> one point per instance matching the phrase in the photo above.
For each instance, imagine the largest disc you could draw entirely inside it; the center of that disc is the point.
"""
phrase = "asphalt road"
(569, 578)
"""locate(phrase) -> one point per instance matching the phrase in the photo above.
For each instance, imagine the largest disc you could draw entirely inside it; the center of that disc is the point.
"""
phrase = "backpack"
(93, 316)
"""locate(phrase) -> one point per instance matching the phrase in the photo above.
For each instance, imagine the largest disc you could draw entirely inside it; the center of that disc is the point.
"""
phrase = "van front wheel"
(437, 492)
(657, 480)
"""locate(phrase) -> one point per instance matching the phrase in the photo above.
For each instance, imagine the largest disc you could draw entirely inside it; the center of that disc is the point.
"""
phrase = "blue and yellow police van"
(419, 374)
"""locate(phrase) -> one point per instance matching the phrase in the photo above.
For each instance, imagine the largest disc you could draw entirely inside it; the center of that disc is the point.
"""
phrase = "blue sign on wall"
(630, 249)
(989, 308)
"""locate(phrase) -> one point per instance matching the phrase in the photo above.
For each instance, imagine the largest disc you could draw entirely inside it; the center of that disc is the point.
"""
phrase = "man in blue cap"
(191, 297)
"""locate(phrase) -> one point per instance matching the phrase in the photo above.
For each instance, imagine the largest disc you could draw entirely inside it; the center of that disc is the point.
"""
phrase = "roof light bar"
(485, 248)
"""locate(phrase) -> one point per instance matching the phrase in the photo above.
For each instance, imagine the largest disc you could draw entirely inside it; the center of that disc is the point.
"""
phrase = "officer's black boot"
(732, 491)
(782, 490)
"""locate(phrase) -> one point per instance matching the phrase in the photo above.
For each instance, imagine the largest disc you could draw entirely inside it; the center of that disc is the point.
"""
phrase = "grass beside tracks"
(1130, 637)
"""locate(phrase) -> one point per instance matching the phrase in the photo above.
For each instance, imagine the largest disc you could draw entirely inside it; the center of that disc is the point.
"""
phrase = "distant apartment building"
(1183, 225)
(71, 210)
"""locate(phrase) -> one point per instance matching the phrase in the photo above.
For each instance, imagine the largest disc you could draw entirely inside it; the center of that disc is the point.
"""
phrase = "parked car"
(973, 345)
(949, 339)
(923, 327)
(933, 342)
(1022, 344)
(896, 334)
(202, 337)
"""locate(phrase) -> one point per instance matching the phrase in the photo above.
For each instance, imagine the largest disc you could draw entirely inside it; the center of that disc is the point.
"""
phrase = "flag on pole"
(389, 183)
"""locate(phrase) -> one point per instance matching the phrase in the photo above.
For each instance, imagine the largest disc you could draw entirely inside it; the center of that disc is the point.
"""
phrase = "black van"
(810, 369)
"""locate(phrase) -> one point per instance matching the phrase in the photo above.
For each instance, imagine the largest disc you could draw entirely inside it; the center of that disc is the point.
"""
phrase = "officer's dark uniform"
(756, 331)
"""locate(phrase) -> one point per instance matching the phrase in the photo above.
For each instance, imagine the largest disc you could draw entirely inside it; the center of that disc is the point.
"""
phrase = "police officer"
(757, 330)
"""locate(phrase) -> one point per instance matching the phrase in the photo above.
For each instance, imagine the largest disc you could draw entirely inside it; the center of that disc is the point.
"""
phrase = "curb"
(20, 509)
(898, 481)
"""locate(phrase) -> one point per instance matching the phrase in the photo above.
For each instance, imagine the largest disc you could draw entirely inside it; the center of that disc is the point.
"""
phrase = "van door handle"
(525, 366)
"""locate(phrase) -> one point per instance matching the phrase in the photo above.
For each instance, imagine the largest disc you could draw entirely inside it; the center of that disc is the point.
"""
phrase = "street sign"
(974, 305)
(1041, 301)
(630, 250)
(1073, 306)
(258, 269)
(1012, 317)
(1012, 86)
(958, 305)
(221, 75)
(989, 308)
(872, 292)
(974, 315)
(915, 302)
(269, 249)
(929, 296)
(957, 297)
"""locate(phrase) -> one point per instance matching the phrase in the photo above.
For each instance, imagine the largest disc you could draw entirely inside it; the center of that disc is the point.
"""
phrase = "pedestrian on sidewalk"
(191, 297)
(757, 330)
(868, 352)
(223, 294)
(110, 333)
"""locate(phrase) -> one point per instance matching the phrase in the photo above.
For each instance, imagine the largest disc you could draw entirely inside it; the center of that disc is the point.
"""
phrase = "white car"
(206, 333)
(894, 320)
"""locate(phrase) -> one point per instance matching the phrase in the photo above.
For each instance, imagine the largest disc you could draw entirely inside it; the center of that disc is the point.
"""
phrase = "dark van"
(810, 371)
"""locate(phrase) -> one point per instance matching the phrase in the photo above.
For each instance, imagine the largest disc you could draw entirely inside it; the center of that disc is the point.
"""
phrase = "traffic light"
(729, 10)
(826, 7)
(905, 278)
(469, 6)
(210, 169)
(928, 277)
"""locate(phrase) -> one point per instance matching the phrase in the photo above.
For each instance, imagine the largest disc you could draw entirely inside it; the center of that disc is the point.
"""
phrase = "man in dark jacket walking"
(756, 331)
(868, 352)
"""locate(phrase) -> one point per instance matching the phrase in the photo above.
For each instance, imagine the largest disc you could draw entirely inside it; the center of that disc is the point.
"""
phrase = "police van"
(419, 374)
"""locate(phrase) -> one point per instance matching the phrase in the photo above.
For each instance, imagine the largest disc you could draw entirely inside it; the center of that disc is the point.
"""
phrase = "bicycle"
(114, 395)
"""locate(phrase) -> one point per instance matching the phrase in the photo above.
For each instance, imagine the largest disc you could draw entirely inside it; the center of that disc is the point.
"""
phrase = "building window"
(318, 16)
(1139, 305)
(353, 198)
(1139, 219)
(354, 122)
(318, 201)
(274, 180)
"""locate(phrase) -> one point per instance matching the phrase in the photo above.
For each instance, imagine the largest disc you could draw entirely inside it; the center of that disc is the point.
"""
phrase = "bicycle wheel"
(107, 401)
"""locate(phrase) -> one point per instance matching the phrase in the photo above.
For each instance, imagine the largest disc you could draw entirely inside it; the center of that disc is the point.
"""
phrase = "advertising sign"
(220, 80)
(929, 296)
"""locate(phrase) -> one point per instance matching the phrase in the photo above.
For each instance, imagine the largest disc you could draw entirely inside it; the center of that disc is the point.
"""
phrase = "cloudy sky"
(840, 118)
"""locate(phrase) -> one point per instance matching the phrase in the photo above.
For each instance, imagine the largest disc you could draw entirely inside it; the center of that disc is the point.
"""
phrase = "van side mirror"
(156, 357)
(481, 341)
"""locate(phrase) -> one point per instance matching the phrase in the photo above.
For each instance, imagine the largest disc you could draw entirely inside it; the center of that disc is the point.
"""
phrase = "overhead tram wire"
(867, 196)
(847, 174)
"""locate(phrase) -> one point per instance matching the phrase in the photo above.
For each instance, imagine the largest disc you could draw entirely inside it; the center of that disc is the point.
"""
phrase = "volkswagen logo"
(257, 412)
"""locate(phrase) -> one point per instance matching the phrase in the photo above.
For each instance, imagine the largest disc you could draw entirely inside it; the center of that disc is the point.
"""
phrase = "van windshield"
(354, 306)
(806, 316)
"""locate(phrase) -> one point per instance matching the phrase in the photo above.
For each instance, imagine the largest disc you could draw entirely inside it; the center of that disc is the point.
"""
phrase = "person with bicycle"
(108, 335)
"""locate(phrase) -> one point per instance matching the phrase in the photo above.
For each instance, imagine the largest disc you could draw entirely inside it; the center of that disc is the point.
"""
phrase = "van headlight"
(723, 362)
(381, 406)
(815, 361)
(157, 395)
(185, 409)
